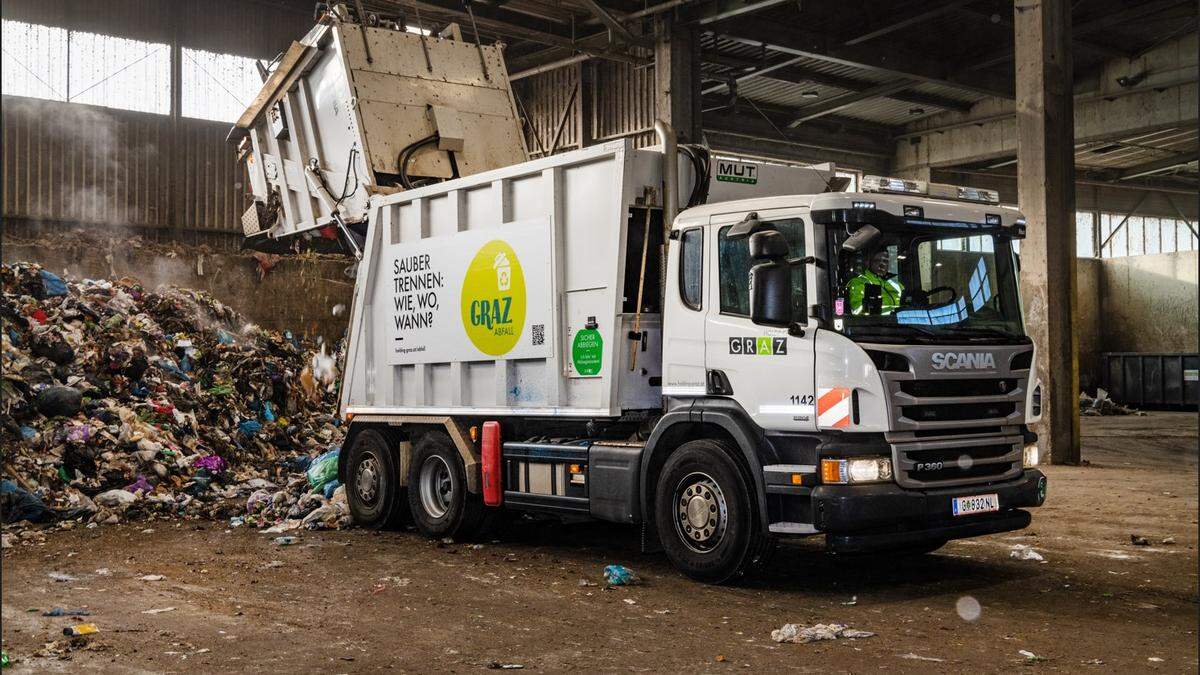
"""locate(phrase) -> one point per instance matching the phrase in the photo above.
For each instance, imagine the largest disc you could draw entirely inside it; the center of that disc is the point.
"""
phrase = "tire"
(437, 491)
(373, 489)
(701, 479)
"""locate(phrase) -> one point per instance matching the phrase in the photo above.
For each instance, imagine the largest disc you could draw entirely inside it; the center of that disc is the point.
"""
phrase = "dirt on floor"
(358, 600)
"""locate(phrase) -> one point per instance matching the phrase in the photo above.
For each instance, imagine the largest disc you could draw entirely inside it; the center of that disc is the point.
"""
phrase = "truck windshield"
(929, 284)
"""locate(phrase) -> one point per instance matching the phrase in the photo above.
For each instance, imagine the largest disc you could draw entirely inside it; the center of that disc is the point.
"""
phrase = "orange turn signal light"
(831, 471)
(797, 479)
(575, 468)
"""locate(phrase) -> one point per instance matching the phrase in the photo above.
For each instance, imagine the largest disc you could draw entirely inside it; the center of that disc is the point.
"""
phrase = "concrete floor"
(356, 600)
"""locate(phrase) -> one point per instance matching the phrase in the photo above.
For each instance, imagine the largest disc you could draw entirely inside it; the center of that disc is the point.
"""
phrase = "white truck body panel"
(546, 239)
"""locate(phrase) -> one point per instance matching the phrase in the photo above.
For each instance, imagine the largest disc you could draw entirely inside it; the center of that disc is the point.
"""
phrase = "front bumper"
(873, 517)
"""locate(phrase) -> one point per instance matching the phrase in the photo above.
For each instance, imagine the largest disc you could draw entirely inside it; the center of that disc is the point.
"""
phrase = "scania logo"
(963, 360)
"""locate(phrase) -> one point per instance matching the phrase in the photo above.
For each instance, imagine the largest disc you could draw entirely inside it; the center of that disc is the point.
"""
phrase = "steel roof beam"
(885, 60)
(801, 75)
(1158, 165)
(838, 103)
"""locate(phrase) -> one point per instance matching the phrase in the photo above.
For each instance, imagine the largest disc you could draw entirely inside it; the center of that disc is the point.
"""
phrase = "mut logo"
(963, 361)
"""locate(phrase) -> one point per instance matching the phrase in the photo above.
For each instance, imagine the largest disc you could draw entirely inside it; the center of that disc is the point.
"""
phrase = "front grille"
(957, 412)
(957, 473)
(973, 387)
(957, 462)
(964, 457)
(979, 431)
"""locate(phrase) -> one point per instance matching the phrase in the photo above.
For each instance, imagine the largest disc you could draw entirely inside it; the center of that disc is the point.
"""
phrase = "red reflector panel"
(493, 491)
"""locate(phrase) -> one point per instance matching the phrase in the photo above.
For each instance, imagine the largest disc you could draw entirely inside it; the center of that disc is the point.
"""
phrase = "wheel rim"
(366, 479)
(701, 514)
(437, 486)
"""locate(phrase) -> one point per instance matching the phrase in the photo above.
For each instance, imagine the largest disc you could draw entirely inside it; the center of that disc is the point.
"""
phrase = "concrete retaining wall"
(298, 294)
(1149, 303)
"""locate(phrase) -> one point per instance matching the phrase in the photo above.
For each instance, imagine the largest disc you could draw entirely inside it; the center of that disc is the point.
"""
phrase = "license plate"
(965, 506)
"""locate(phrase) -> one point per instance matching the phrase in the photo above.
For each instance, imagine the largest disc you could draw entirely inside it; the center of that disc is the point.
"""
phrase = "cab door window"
(734, 263)
(691, 267)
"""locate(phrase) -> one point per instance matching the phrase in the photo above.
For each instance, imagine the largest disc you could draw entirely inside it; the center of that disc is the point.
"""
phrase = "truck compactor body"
(797, 363)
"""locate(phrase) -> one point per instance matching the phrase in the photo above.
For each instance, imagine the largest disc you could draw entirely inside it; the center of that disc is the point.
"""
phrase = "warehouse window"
(1144, 235)
(1085, 234)
(62, 65)
(217, 86)
(34, 60)
(117, 73)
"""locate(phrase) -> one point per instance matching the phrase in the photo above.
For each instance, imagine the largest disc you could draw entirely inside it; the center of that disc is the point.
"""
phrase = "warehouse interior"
(1084, 114)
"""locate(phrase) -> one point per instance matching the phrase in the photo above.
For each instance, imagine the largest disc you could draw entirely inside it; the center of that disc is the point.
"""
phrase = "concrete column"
(1046, 193)
(677, 77)
(920, 172)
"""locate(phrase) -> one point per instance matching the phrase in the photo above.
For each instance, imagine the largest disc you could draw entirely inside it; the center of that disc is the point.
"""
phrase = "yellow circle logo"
(493, 299)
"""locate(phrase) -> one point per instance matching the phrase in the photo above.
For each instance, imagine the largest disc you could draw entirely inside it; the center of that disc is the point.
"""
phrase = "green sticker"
(587, 352)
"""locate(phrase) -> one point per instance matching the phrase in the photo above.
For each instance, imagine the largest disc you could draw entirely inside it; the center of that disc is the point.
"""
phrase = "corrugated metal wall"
(622, 102)
(168, 179)
(72, 163)
(548, 102)
(616, 100)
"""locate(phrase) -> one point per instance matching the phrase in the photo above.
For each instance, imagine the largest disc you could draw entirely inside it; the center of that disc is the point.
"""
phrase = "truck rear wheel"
(373, 483)
(437, 490)
(703, 513)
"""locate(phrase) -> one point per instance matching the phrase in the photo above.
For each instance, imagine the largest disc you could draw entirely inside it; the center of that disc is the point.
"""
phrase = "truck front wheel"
(373, 483)
(703, 513)
(437, 490)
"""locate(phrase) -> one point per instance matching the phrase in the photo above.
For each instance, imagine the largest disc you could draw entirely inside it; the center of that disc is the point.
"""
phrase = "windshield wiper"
(982, 331)
(897, 329)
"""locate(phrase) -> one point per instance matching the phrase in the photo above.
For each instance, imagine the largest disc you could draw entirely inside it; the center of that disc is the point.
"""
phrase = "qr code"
(539, 334)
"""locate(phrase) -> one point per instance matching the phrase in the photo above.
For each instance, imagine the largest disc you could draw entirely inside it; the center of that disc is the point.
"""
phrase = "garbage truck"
(723, 353)
(552, 338)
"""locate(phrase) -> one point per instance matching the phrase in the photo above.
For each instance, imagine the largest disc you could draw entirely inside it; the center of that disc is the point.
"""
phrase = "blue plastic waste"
(224, 337)
(28, 433)
(249, 427)
(268, 411)
(52, 284)
(21, 504)
(331, 487)
(620, 575)
(173, 369)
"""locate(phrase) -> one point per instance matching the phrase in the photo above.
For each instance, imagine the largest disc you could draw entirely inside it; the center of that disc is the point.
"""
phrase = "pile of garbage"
(123, 403)
(1102, 405)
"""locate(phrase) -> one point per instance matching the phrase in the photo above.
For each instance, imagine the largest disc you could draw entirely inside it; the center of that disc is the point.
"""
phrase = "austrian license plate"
(965, 506)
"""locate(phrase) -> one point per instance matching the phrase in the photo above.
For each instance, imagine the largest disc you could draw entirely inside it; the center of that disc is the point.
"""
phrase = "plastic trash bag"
(323, 469)
(620, 575)
(20, 504)
(52, 284)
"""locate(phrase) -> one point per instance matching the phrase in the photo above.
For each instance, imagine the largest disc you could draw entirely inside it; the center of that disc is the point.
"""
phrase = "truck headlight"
(856, 470)
(1029, 458)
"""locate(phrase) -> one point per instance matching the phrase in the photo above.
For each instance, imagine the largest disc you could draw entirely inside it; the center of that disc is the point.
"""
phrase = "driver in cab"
(875, 290)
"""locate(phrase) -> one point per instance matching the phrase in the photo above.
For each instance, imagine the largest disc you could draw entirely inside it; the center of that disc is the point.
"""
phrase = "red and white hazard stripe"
(833, 407)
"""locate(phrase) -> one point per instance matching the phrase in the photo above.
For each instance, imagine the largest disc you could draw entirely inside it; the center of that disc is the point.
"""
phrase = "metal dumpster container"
(1166, 381)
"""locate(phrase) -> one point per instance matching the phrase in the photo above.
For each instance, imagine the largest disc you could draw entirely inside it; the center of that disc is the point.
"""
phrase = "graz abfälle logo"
(493, 299)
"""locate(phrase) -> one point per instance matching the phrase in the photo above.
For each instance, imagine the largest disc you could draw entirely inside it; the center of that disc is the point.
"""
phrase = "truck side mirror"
(861, 239)
(770, 279)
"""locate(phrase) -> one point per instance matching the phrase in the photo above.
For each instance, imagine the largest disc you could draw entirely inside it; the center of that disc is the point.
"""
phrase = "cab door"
(769, 369)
